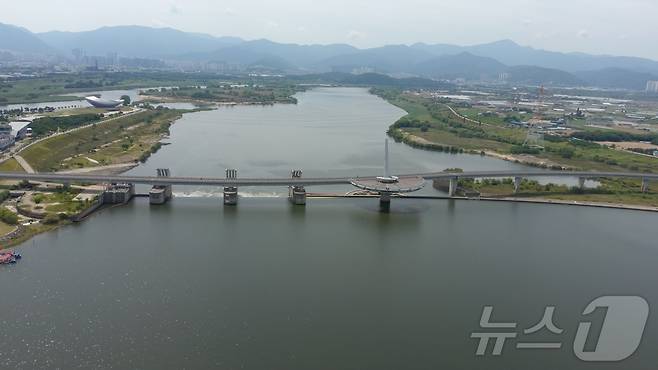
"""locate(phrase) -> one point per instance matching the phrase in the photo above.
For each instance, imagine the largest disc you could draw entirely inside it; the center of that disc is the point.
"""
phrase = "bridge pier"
(645, 185)
(297, 193)
(452, 189)
(231, 192)
(517, 184)
(384, 201)
(161, 194)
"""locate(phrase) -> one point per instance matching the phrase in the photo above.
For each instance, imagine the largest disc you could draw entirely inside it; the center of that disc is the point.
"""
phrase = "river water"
(334, 285)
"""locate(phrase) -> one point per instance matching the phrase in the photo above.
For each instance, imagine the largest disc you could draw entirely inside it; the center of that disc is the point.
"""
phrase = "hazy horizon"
(564, 26)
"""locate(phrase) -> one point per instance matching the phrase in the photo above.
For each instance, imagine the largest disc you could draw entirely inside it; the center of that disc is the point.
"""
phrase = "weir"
(161, 194)
(231, 192)
(297, 193)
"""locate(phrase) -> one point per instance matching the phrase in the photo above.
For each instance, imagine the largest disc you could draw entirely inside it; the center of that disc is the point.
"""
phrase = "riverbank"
(444, 128)
(228, 94)
(129, 139)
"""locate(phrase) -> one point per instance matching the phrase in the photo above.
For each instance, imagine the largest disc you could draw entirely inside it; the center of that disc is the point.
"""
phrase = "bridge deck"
(215, 181)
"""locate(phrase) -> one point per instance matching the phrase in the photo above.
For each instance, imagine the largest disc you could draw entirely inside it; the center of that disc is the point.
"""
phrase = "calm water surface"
(335, 285)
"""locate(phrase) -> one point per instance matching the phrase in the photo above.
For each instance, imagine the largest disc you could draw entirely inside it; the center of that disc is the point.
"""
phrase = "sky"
(621, 27)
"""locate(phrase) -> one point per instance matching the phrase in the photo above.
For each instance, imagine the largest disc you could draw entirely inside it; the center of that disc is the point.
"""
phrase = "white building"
(20, 129)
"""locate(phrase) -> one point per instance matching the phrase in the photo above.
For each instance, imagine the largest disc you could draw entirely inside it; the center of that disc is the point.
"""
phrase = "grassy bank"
(227, 93)
(431, 125)
(613, 191)
(11, 165)
(127, 139)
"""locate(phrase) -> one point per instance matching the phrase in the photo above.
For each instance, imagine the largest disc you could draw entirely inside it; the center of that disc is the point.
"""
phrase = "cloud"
(354, 35)
(584, 34)
(272, 24)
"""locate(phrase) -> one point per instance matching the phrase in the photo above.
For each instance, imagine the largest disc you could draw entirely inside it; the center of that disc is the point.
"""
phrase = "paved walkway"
(26, 166)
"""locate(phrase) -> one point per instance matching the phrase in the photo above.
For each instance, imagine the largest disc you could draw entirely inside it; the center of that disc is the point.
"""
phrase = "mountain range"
(504, 59)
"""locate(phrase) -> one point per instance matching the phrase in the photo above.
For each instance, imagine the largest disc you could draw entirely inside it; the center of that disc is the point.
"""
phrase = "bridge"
(308, 181)
(385, 186)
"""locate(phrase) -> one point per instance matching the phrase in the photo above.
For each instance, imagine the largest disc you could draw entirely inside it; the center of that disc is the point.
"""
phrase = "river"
(334, 285)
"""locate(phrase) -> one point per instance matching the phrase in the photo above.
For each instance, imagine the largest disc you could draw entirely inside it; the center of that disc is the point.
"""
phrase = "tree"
(126, 100)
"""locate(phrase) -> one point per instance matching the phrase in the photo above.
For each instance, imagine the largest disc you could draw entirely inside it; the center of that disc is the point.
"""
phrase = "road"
(466, 118)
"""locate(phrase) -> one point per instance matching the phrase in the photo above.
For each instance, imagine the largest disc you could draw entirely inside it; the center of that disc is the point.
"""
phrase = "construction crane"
(535, 137)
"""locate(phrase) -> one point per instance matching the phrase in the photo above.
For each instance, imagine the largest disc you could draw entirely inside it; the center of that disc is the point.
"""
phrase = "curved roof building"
(103, 103)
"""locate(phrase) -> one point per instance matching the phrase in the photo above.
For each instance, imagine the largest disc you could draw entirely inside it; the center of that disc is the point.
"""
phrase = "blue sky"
(622, 27)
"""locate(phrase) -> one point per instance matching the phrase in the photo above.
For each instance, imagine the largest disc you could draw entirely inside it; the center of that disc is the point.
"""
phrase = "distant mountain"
(20, 40)
(135, 41)
(391, 59)
(249, 52)
(439, 61)
(512, 54)
(541, 76)
(463, 65)
(617, 77)
(299, 55)
(370, 79)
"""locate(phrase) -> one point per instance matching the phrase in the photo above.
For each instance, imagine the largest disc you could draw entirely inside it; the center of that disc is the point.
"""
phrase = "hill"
(135, 41)
(617, 78)
(20, 40)
(463, 65)
(510, 53)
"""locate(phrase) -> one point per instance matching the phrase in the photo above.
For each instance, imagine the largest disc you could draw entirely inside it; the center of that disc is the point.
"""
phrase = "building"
(118, 193)
(6, 137)
(652, 86)
(103, 103)
(20, 129)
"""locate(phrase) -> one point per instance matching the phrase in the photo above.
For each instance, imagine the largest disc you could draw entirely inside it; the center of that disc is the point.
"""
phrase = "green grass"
(6, 229)
(54, 87)
(615, 191)
(103, 142)
(11, 165)
(433, 122)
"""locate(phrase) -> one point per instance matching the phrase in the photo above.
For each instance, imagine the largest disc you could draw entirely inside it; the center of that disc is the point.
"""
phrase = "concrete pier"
(160, 194)
(454, 183)
(230, 196)
(231, 192)
(517, 184)
(645, 185)
(384, 201)
(298, 196)
(296, 193)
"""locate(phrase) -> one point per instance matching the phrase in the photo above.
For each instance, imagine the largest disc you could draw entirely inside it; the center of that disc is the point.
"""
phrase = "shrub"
(8, 216)
(51, 218)
(38, 198)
